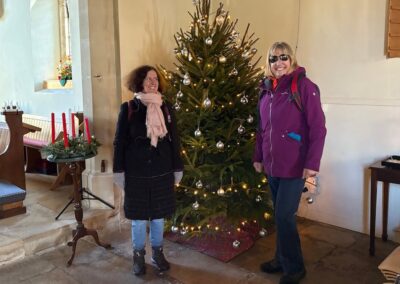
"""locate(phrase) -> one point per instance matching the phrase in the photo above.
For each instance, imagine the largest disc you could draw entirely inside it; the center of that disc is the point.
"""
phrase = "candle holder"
(75, 171)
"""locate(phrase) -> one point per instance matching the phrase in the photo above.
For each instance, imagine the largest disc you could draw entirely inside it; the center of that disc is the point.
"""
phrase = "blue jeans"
(286, 194)
(139, 233)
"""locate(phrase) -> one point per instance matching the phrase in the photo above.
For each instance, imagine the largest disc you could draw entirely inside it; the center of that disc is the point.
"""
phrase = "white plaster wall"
(15, 51)
(341, 44)
(45, 41)
(146, 29)
(17, 70)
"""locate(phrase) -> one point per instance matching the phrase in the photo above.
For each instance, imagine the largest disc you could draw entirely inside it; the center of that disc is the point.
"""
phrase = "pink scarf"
(155, 122)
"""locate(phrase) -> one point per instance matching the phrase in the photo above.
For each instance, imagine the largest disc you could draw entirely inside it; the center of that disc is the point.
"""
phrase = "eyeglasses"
(275, 58)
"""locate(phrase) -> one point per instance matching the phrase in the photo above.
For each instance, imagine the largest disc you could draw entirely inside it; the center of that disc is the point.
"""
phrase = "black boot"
(159, 259)
(139, 267)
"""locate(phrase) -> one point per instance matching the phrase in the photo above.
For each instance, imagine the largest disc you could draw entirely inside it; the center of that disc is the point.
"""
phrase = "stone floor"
(33, 250)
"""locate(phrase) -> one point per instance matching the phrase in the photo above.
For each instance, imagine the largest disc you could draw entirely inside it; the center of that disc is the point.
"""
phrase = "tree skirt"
(223, 245)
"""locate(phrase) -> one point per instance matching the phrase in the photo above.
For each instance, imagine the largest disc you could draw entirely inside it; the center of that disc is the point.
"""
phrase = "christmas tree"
(214, 91)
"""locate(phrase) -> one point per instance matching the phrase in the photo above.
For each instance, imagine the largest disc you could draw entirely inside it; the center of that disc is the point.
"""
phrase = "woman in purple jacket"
(289, 145)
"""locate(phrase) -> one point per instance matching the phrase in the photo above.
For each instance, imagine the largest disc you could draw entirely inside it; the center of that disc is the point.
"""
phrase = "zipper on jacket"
(270, 131)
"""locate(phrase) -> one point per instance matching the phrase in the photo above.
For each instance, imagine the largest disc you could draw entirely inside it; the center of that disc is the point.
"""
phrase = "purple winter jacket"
(288, 140)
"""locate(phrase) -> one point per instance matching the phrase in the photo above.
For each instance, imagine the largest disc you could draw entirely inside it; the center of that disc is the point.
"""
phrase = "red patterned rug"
(223, 245)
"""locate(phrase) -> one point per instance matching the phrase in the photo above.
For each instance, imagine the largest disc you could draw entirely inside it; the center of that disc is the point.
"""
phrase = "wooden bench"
(12, 174)
(4, 136)
(34, 142)
(11, 200)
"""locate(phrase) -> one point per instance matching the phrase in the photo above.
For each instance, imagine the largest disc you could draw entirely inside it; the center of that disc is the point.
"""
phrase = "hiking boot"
(293, 278)
(159, 260)
(271, 266)
(139, 267)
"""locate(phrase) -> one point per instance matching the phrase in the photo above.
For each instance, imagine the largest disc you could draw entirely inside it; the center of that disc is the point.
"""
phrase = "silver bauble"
(253, 50)
(245, 54)
(184, 51)
(199, 184)
(222, 59)
(197, 132)
(250, 119)
(177, 106)
(209, 41)
(258, 198)
(220, 191)
(186, 76)
(220, 145)
(233, 72)
(263, 232)
(234, 35)
(310, 200)
(186, 81)
(183, 231)
(236, 244)
(241, 129)
(195, 205)
(179, 94)
(178, 37)
(207, 103)
(174, 229)
(244, 100)
(220, 20)
(199, 58)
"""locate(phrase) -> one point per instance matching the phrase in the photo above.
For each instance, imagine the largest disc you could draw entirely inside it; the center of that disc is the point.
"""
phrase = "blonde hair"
(286, 49)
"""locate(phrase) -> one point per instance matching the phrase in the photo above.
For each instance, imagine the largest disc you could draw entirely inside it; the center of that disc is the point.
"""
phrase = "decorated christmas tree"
(214, 91)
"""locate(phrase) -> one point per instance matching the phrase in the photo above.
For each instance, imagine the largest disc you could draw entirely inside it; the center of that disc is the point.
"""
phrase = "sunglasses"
(275, 58)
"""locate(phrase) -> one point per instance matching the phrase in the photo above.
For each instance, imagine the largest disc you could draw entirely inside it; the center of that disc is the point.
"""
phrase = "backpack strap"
(130, 110)
(295, 96)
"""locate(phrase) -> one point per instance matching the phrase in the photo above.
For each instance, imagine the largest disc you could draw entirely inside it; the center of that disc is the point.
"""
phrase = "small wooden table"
(74, 170)
(386, 176)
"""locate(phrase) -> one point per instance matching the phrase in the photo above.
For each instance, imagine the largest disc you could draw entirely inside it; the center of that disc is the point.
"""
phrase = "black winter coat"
(149, 179)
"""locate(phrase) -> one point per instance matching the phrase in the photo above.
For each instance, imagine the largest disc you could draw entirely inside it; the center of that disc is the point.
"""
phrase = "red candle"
(53, 129)
(89, 139)
(73, 125)
(64, 123)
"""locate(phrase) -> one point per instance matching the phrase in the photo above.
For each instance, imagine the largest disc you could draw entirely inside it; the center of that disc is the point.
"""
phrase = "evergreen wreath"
(78, 147)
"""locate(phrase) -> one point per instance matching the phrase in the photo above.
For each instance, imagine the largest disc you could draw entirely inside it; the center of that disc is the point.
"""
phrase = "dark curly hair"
(136, 78)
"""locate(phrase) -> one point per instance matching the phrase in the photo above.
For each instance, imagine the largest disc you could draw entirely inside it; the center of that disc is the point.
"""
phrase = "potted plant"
(65, 71)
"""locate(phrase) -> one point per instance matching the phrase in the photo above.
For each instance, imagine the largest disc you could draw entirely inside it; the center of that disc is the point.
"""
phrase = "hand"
(309, 173)
(178, 177)
(119, 179)
(258, 167)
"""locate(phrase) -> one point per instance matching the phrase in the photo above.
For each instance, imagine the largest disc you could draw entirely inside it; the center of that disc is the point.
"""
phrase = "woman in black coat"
(147, 151)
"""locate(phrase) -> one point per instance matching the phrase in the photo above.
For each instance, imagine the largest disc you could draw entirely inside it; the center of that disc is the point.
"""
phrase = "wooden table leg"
(80, 231)
(385, 205)
(372, 213)
(60, 178)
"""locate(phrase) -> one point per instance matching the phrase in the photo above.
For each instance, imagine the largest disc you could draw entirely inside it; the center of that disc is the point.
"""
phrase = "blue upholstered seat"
(10, 193)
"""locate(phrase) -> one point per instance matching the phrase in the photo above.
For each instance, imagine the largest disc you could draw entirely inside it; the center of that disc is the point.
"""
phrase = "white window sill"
(55, 85)
(56, 91)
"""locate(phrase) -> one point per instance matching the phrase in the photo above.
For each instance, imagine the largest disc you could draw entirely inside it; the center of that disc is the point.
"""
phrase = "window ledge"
(55, 85)
(56, 91)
